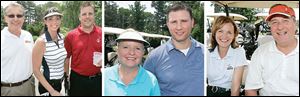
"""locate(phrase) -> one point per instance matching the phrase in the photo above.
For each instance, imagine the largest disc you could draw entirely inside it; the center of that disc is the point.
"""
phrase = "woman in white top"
(49, 51)
(225, 59)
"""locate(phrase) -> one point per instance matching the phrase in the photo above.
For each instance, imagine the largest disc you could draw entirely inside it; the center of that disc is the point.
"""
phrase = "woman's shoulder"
(40, 39)
(109, 69)
(150, 75)
(239, 50)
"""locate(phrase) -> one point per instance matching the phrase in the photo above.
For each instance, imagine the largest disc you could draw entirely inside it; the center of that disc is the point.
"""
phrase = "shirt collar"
(215, 53)
(194, 44)
(140, 77)
(7, 33)
(81, 31)
(273, 47)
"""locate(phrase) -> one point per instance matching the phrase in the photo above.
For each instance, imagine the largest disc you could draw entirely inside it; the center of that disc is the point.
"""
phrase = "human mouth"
(179, 33)
(224, 40)
(131, 58)
(281, 33)
(55, 26)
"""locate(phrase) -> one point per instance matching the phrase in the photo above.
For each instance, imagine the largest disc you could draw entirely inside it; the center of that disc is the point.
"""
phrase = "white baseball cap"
(52, 12)
(131, 34)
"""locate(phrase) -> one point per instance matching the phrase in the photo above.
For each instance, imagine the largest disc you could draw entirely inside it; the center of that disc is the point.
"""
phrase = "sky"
(5, 3)
(209, 9)
(125, 4)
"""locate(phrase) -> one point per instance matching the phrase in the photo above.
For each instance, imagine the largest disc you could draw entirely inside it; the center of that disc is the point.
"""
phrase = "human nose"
(178, 25)
(280, 25)
(131, 51)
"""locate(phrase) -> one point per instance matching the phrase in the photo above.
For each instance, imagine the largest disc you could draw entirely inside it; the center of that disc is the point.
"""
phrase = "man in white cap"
(274, 67)
(128, 77)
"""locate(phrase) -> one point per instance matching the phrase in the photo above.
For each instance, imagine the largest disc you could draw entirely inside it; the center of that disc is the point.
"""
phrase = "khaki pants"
(26, 89)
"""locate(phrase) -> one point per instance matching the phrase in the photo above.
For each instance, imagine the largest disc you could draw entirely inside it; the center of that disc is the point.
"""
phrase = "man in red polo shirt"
(82, 44)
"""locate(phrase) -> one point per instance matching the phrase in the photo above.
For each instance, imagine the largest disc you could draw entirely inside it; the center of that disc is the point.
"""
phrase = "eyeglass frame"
(15, 15)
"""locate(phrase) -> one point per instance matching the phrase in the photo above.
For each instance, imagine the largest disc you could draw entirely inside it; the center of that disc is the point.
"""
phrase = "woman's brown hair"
(218, 24)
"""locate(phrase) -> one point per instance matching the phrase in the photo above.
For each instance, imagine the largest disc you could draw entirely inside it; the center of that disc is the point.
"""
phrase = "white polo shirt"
(16, 56)
(273, 72)
(220, 71)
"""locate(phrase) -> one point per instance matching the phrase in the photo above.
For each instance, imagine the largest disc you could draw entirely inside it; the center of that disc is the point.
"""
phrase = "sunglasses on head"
(13, 16)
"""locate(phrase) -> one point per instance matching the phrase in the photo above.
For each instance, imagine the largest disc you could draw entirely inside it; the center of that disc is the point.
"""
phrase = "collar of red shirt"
(81, 31)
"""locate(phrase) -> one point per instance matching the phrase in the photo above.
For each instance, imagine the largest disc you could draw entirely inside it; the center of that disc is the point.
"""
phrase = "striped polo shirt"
(54, 57)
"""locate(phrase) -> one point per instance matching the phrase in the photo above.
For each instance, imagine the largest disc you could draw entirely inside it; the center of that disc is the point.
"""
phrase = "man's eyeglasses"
(13, 16)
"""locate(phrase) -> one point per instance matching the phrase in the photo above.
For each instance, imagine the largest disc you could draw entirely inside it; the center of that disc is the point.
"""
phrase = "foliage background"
(34, 15)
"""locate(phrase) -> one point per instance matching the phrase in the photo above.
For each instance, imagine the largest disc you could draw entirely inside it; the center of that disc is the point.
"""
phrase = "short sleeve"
(241, 57)
(68, 45)
(149, 64)
(156, 90)
(254, 75)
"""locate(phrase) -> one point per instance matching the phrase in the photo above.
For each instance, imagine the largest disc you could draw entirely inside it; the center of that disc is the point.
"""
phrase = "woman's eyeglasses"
(13, 16)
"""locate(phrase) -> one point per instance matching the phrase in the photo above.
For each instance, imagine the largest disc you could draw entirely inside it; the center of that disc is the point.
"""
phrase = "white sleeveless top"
(55, 56)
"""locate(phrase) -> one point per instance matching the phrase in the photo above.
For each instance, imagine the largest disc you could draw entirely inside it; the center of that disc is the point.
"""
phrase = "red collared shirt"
(81, 46)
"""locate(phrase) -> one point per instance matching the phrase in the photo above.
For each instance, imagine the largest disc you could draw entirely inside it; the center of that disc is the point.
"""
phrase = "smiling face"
(224, 32)
(225, 35)
(86, 17)
(53, 23)
(180, 25)
(283, 29)
(14, 18)
(130, 53)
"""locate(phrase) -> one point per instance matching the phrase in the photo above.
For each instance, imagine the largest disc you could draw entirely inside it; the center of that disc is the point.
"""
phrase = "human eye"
(184, 21)
(50, 19)
(286, 21)
(220, 31)
(138, 48)
(84, 14)
(173, 22)
(125, 47)
(58, 18)
(273, 23)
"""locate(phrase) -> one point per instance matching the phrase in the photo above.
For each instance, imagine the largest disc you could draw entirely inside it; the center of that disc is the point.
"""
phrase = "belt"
(216, 89)
(89, 77)
(14, 84)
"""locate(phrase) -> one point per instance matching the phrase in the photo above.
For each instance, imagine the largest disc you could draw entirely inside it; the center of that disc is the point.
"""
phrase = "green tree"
(123, 18)
(30, 14)
(137, 16)
(111, 12)
(151, 27)
(98, 12)
(42, 9)
(247, 12)
(150, 24)
(160, 16)
(2, 18)
(198, 14)
(71, 10)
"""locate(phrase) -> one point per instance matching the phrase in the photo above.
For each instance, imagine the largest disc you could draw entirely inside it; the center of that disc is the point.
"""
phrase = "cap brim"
(268, 18)
(142, 41)
(52, 14)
